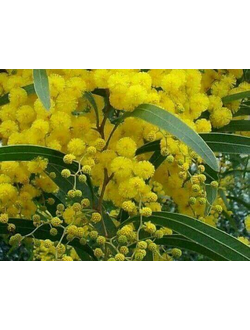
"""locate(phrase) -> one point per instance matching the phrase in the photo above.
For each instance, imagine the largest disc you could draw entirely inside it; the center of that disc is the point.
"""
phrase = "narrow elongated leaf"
(218, 142)
(109, 225)
(64, 184)
(149, 147)
(26, 152)
(224, 198)
(243, 111)
(183, 243)
(235, 97)
(210, 174)
(209, 237)
(236, 126)
(92, 101)
(51, 208)
(157, 159)
(211, 197)
(230, 220)
(56, 164)
(41, 84)
(227, 143)
(169, 122)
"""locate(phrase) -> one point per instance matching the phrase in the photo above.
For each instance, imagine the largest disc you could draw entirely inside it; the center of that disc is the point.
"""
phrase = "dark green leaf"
(178, 128)
(41, 84)
(236, 126)
(205, 235)
(235, 97)
(211, 197)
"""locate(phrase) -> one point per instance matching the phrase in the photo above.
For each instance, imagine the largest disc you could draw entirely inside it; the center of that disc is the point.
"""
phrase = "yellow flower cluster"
(107, 152)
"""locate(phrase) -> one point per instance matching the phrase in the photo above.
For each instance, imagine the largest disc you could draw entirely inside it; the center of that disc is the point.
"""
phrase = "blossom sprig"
(105, 150)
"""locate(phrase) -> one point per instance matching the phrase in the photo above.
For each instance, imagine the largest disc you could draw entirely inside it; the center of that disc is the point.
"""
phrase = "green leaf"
(218, 142)
(243, 111)
(64, 184)
(149, 147)
(230, 220)
(41, 84)
(211, 238)
(183, 243)
(210, 174)
(51, 208)
(157, 159)
(172, 124)
(109, 224)
(235, 97)
(25, 227)
(236, 126)
(211, 197)
(227, 143)
(56, 164)
(89, 96)
(26, 152)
